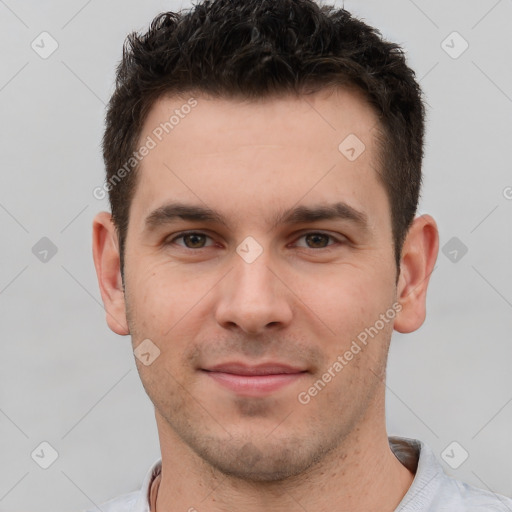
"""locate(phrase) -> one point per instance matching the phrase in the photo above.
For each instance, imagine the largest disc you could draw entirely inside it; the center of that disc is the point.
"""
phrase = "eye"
(191, 240)
(197, 240)
(318, 240)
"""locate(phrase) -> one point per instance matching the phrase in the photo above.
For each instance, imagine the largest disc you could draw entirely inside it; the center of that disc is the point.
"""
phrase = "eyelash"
(327, 248)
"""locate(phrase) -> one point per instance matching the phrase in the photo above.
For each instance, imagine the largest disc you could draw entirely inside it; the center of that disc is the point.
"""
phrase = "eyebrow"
(169, 213)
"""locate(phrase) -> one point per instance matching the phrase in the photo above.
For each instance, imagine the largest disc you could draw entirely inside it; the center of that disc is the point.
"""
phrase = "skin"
(301, 302)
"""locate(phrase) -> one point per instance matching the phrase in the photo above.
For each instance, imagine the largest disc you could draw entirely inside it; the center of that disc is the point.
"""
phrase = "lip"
(255, 380)
(270, 368)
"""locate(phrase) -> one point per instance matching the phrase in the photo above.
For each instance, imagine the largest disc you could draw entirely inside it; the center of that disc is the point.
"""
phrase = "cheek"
(347, 299)
(163, 299)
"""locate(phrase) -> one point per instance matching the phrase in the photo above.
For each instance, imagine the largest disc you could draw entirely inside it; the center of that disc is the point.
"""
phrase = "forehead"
(326, 117)
(266, 153)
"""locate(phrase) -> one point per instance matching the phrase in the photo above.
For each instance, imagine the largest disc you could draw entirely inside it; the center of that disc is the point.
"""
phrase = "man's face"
(250, 292)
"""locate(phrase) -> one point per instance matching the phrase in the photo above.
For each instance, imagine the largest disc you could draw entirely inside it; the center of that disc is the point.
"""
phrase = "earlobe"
(107, 262)
(419, 255)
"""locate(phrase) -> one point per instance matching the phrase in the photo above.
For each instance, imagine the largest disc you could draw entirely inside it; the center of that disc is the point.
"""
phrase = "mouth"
(257, 380)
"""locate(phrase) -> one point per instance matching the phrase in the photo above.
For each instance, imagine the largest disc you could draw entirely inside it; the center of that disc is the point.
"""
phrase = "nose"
(254, 297)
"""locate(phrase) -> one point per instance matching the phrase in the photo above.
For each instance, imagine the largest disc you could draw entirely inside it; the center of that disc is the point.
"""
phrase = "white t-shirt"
(432, 490)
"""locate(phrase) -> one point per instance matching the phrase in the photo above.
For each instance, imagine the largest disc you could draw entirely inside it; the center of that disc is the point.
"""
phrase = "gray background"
(68, 380)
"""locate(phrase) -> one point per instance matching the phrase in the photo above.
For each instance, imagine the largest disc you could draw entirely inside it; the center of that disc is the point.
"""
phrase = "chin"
(256, 463)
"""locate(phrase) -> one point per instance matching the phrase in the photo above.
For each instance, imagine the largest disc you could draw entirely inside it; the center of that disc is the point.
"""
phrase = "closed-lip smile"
(254, 380)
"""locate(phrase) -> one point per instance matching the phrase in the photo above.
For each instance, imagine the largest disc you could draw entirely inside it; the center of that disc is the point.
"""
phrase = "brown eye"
(318, 240)
(194, 240)
(191, 240)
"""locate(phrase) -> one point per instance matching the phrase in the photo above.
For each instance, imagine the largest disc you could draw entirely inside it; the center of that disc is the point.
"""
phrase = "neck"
(361, 474)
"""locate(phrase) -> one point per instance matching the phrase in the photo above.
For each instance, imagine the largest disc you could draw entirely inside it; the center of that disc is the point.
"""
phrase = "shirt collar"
(419, 458)
(142, 503)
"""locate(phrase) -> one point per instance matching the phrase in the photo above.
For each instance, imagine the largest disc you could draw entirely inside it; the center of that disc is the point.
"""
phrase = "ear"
(419, 255)
(107, 262)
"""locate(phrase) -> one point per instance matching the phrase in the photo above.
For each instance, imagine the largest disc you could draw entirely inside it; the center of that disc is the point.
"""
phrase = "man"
(264, 166)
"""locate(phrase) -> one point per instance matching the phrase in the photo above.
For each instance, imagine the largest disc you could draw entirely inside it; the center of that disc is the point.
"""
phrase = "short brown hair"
(258, 48)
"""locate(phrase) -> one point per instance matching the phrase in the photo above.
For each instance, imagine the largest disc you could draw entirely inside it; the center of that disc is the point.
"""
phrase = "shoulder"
(435, 490)
(136, 501)
(479, 500)
(123, 503)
